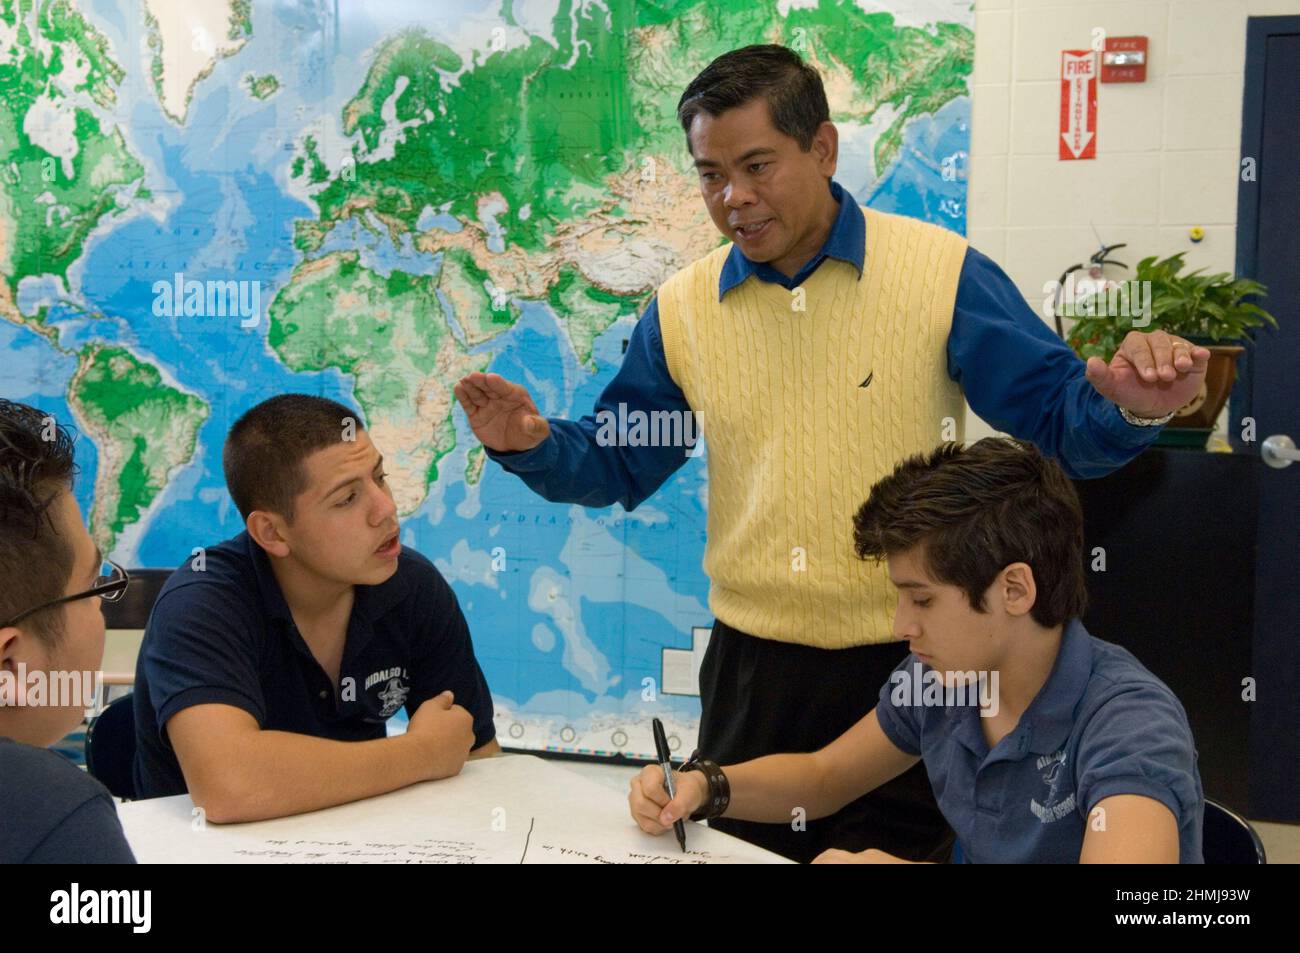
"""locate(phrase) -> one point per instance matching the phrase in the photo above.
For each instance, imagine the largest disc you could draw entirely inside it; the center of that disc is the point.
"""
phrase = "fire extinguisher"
(1097, 280)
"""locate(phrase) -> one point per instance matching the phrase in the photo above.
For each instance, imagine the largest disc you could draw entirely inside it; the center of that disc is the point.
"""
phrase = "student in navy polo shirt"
(272, 662)
(51, 642)
(1043, 744)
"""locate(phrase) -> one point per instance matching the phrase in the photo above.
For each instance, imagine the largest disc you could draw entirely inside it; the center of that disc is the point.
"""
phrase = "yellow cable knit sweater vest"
(793, 441)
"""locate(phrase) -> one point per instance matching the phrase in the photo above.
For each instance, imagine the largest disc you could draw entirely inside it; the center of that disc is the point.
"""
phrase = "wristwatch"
(719, 787)
(1137, 421)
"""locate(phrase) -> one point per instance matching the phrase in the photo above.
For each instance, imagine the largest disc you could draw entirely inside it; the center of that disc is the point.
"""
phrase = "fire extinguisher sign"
(1078, 104)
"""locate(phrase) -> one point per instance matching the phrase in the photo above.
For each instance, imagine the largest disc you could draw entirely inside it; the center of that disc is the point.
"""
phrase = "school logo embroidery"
(1055, 777)
(392, 695)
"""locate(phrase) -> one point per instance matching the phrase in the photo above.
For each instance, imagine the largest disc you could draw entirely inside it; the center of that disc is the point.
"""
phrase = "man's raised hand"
(502, 414)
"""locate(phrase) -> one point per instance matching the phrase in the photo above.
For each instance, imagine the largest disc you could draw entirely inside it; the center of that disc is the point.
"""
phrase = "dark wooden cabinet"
(1178, 529)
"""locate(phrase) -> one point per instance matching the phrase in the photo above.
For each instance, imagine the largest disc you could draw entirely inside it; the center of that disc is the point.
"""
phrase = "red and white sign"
(1078, 104)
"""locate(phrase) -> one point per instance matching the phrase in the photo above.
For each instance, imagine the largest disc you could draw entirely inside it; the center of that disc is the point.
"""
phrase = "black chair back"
(1228, 838)
(110, 747)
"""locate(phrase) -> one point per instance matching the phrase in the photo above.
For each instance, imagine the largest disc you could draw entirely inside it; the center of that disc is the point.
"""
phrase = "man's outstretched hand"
(502, 414)
(1151, 374)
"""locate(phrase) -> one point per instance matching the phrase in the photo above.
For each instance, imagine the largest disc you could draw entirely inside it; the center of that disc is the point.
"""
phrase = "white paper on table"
(508, 809)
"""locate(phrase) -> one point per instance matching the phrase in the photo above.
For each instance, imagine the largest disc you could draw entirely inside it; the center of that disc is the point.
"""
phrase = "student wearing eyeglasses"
(51, 645)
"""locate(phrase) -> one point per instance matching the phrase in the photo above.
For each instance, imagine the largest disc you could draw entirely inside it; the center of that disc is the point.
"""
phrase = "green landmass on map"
(262, 87)
(391, 334)
(51, 203)
(142, 427)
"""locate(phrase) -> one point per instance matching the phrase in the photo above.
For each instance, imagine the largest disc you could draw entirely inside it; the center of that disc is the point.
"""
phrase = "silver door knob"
(1279, 451)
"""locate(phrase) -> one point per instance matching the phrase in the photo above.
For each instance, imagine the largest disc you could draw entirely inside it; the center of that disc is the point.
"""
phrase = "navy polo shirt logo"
(1053, 776)
(391, 688)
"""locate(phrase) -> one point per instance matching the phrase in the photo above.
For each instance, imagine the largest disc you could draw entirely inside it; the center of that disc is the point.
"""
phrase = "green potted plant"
(1209, 310)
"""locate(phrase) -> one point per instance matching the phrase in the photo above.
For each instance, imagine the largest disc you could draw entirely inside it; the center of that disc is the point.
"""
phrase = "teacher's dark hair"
(793, 90)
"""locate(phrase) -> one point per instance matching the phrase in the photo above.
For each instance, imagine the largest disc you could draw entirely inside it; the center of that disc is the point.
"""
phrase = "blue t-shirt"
(1101, 725)
(52, 812)
(221, 632)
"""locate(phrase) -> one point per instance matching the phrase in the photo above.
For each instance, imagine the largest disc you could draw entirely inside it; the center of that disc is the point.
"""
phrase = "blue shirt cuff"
(1137, 785)
(540, 457)
(206, 695)
(1124, 433)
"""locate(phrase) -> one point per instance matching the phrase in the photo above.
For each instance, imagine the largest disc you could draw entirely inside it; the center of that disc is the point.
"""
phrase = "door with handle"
(1268, 249)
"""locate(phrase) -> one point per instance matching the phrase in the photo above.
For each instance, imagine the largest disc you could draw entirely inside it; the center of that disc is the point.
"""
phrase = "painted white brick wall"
(1167, 149)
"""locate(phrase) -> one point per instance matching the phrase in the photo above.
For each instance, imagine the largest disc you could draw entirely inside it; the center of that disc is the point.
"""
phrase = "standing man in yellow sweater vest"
(823, 344)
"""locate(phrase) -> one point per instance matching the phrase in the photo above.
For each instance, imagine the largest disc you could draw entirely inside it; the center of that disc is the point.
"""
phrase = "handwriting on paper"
(557, 852)
(431, 851)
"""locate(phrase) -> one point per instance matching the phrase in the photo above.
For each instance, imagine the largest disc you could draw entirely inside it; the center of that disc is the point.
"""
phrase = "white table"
(508, 809)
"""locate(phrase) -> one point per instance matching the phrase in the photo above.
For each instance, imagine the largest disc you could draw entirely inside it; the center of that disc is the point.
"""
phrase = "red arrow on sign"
(1078, 104)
